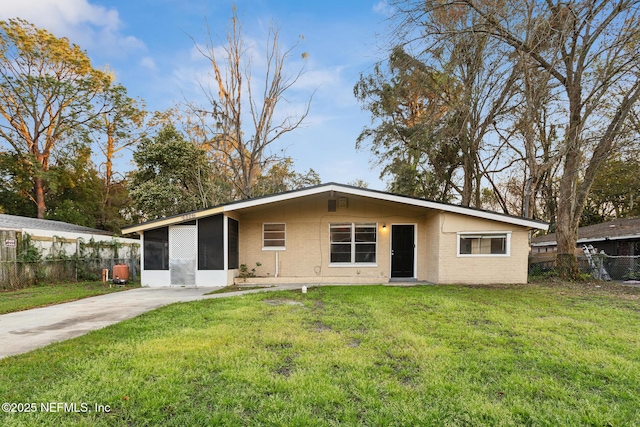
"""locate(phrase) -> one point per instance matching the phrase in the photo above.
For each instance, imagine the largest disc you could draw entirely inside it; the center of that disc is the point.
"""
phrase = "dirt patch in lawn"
(600, 287)
(585, 288)
(277, 302)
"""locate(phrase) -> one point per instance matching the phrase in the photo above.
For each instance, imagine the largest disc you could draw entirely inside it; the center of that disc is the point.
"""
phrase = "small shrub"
(585, 277)
(245, 272)
(27, 250)
(632, 275)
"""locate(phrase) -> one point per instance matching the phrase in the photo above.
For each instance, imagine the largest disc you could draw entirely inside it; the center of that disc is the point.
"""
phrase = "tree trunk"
(567, 221)
(109, 167)
(41, 165)
(38, 189)
(467, 173)
(566, 227)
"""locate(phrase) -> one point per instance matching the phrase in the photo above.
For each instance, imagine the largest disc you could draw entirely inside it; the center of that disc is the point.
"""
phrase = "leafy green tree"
(615, 192)
(120, 211)
(122, 126)
(407, 104)
(282, 177)
(74, 190)
(172, 176)
(74, 187)
(359, 182)
(49, 92)
(16, 185)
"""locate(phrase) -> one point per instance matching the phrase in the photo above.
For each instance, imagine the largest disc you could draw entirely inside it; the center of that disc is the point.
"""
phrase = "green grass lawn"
(39, 296)
(536, 355)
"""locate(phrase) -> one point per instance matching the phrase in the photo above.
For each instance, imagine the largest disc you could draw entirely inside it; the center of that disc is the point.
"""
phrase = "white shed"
(57, 238)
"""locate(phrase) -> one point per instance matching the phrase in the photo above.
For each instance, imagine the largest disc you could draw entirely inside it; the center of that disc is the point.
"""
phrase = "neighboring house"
(620, 237)
(334, 233)
(58, 239)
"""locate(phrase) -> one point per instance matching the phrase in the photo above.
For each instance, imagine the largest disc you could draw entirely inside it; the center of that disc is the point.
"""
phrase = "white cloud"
(313, 79)
(87, 25)
(197, 50)
(383, 8)
(148, 63)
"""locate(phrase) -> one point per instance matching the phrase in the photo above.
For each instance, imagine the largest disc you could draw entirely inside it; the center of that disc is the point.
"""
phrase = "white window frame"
(482, 234)
(274, 248)
(353, 263)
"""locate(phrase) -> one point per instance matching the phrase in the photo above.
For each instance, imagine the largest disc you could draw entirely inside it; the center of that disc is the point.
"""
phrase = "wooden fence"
(21, 274)
(8, 249)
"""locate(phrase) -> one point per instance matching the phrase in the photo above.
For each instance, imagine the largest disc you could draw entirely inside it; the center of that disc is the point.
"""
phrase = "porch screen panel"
(211, 243)
(233, 244)
(156, 249)
(182, 262)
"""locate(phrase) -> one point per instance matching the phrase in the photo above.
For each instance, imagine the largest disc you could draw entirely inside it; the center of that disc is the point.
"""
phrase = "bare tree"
(479, 66)
(590, 48)
(530, 133)
(245, 117)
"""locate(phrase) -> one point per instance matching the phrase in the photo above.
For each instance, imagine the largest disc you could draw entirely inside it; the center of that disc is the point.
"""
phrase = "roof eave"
(379, 195)
(589, 240)
(171, 220)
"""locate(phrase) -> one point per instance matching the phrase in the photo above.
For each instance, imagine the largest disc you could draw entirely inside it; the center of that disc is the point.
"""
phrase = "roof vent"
(331, 207)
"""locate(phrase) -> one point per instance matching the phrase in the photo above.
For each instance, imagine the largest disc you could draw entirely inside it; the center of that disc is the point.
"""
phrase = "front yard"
(536, 355)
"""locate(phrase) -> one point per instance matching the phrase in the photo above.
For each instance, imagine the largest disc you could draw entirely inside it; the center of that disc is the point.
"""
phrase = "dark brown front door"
(402, 250)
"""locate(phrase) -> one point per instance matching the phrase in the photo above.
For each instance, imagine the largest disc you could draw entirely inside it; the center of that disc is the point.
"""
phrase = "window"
(156, 249)
(353, 243)
(273, 237)
(487, 244)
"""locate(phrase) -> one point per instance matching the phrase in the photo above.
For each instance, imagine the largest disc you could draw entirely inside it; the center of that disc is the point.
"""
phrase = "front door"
(402, 250)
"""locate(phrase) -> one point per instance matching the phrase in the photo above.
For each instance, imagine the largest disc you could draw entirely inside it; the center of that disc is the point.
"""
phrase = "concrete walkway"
(27, 330)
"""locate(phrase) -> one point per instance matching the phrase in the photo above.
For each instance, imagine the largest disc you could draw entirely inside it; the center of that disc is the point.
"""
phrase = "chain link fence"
(625, 268)
(600, 266)
(21, 274)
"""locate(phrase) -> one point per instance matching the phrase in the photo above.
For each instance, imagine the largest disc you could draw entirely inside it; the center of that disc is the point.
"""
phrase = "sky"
(150, 46)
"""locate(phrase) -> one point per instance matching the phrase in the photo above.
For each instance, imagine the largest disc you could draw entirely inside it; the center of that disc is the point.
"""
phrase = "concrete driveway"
(27, 330)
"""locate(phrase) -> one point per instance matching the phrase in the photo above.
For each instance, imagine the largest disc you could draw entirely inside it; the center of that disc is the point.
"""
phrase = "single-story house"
(334, 233)
(620, 237)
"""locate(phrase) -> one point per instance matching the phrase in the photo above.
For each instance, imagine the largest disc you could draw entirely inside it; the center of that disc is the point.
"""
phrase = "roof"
(343, 189)
(12, 222)
(619, 229)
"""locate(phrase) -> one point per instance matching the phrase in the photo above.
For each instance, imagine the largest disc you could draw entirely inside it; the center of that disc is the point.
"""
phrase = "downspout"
(277, 263)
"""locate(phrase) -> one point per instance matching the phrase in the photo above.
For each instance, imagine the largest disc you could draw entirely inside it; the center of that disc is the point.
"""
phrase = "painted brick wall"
(485, 269)
(429, 262)
(307, 242)
(307, 246)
